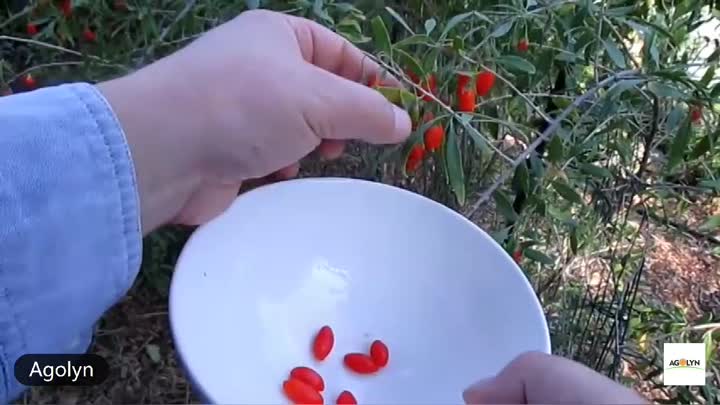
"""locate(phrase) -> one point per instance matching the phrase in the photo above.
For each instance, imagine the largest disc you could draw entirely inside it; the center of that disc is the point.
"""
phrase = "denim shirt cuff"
(71, 241)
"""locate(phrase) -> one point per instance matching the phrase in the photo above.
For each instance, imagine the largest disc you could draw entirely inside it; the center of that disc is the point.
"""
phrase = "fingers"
(329, 51)
(331, 149)
(535, 378)
(341, 109)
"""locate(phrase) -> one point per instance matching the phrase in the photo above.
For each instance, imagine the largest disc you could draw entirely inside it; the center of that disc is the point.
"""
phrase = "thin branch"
(549, 131)
(189, 4)
(59, 48)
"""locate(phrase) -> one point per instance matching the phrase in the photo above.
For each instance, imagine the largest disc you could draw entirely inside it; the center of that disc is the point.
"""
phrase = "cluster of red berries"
(466, 95)
(304, 385)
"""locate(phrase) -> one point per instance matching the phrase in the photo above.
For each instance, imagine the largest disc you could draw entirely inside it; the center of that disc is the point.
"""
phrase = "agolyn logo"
(684, 364)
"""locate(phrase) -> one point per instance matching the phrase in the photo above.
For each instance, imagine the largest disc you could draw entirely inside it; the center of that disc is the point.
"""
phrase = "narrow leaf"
(539, 257)
(454, 164)
(679, 145)
(381, 35)
(399, 19)
(502, 29)
(430, 25)
(252, 4)
(596, 171)
(567, 192)
(455, 21)
(516, 63)
(521, 179)
(418, 39)
(504, 206)
(615, 54)
(555, 149)
(710, 224)
(410, 62)
(702, 147)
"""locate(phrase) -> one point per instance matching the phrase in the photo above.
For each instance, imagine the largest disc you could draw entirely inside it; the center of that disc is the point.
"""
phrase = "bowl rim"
(268, 188)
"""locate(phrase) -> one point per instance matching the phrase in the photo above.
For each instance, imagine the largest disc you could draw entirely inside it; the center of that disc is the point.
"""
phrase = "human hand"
(248, 99)
(538, 378)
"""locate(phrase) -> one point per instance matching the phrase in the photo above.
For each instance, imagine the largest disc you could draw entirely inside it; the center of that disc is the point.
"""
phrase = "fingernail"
(402, 123)
(475, 387)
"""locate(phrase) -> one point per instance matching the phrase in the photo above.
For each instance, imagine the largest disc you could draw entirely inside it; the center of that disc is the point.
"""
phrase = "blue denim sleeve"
(70, 236)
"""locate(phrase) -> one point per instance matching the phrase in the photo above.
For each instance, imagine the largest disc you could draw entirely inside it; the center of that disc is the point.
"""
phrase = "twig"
(14, 17)
(189, 4)
(56, 47)
(549, 131)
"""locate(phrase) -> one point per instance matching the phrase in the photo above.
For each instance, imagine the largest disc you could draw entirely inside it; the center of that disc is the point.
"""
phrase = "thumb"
(537, 378)
(346, 110)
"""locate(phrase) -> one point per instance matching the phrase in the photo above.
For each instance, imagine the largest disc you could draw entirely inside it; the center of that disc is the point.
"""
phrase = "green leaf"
(454, 165)
(418, 39)
(709, 346)
(708, 76)
(574, 241)
(430, 25)
(664, 90)
(381, 35)
(702, 147)
(504, 206)
(521, 179)
(396, 95)
(537, 256)
(596, 171)
(410, 62)
(710, 224)
(321, 13)
(153, 352)
(555, 149)
(620, 11)
(516, 63)
(679, 145)
(615, 54)
(252, 4)
(399, 19)
(567, 192)
(673, 119)
(455, 21)
(502, 29)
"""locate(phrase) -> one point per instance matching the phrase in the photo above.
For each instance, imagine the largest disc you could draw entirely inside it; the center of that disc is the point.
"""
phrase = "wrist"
(160, 143)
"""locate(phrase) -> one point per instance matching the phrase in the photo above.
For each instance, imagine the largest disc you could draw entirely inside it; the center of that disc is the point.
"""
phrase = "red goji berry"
(466, 101)
(66, 7)
(462, 82)
(32, 29)
(323, 343)
(415, 79)
(434, 137)
(430, 86)
(346, 398)
(428, 116)
(120, 5)
(517, 256)
(696, 114)
(417, 152)
(308, 376)
(89, 35)
(484, 82)
(360, 363)
(379, 353)
(523, 45)
(301, 393)
(29, 81)
(374, 80)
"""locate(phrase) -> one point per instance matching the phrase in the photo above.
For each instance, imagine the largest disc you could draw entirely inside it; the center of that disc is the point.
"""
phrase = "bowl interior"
(253, 286)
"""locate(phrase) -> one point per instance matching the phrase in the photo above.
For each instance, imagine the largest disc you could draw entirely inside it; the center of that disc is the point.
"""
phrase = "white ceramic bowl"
(253, 286)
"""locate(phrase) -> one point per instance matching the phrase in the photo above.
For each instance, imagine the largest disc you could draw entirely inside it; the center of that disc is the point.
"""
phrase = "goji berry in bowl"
(253, 287)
